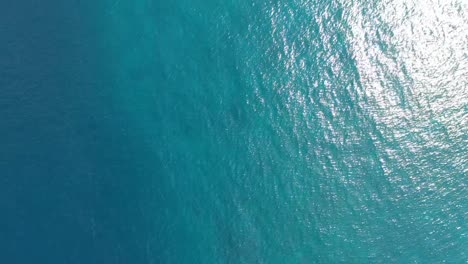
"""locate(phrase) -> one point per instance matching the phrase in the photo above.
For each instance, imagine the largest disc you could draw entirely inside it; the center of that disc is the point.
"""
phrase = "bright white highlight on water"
(430, 40)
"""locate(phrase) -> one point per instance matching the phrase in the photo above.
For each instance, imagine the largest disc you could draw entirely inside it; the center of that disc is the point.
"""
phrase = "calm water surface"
(197, 131)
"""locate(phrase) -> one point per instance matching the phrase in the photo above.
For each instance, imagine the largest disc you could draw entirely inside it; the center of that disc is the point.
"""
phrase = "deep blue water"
(233, 131)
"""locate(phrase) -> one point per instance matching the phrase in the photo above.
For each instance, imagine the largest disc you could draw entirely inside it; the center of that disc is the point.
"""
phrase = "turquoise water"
(299, 131)
(260, 132)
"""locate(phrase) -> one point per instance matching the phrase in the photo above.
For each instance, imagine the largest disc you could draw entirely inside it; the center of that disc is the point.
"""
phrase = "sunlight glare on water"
(300, 131)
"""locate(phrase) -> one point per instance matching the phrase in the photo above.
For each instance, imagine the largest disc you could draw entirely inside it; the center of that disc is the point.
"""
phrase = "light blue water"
(268, 132)
(300, 131)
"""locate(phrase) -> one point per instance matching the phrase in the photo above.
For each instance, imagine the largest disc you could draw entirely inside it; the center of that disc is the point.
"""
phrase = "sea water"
(208, 131)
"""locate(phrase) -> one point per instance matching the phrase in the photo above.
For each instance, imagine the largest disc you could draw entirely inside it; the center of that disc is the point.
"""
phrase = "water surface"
(235, 132)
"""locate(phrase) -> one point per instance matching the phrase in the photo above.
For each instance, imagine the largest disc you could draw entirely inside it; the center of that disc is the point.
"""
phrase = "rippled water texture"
(299, 131)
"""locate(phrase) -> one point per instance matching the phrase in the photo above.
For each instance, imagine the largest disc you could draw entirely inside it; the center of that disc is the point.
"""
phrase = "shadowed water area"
(234, 132)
